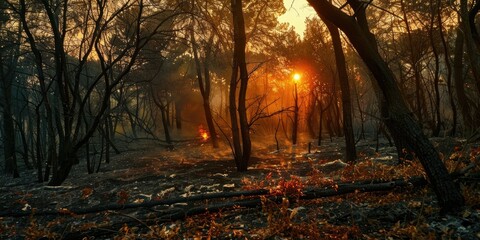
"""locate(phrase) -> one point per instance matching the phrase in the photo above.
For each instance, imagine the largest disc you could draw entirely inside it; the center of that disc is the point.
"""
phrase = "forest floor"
(146, 173)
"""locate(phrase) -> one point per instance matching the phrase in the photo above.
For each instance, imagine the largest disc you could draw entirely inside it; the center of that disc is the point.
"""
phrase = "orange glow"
(296, 77)
(203, 133)
(205, 136)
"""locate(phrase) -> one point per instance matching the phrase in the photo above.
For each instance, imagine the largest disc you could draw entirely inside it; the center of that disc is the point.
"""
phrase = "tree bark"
(8, 64)
(472, 41)
(437, 122)
(350, 152)
(178, 114)
(463, 101)
(295, 116)
(240, 68)
(204, 85)
(448, 64)
(8, 125)
(414, 60)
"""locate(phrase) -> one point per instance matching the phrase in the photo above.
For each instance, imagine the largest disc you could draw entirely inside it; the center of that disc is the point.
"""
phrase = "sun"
(296, 77)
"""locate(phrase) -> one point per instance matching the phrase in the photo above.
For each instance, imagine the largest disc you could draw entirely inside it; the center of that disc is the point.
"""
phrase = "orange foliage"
(367, 169)
(292, 187)
(36, 231)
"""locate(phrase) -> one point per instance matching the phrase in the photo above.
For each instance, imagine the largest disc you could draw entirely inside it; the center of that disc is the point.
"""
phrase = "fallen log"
(113, 207)
(309, 194)
(363, 187)
(169, 216)
(339, 189)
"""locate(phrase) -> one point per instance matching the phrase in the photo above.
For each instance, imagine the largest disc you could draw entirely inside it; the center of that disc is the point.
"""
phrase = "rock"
(146, 197)
(332, 166)
(188, 188)
(220, 175)
(165, 192)
(229, 187)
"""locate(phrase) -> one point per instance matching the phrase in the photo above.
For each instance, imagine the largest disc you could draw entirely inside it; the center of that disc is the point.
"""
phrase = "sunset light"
(296, 13)
(211, 119)
(296, 78)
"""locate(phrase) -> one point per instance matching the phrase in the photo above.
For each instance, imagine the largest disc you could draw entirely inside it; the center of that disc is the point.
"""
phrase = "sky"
(296, 14)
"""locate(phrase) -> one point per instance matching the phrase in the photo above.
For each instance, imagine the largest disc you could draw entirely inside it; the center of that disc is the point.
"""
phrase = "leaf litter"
(155, 174)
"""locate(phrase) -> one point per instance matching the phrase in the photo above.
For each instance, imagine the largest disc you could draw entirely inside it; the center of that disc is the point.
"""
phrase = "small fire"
(203, 133)
(205, 136)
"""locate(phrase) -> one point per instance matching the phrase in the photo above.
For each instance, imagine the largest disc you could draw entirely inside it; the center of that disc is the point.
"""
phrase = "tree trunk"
(168, 139)
(448, 65)
(395, 113)
(25, 151)
(467, 22)
(204, 85)
(6, 79)
(419, 99)
(232, 98)
(311, 114)
(350, 152)
(68, 157)
(38, 147)
(463, 101)
(9, 130)
(437, 122)
(240, 66)
(320, 123)
(178, 114)
(295, 116)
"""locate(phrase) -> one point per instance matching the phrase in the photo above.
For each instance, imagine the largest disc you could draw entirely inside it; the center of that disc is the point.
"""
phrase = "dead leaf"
(86, 192)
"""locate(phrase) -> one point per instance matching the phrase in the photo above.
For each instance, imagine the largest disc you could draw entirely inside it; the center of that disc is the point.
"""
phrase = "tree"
(76, 106)
(9, 54)
(242, 145)
(204, 83)
(397, 117)
(350, 152)
(468, 38)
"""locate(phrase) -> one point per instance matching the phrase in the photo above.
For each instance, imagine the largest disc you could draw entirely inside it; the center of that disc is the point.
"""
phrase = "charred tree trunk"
(471, 38)
(178, 114)
(8, 64)
(472, 45)
(166, 130)
(463, 101)
(414, 61)
(350, 152)
(311, 114)
(437, 122)
(232, 98)
(25, 150)
(395, 113)
(240, 67)
(204, 85)
(8, 126)
(39, 154)
(448, 64)
(295, 116)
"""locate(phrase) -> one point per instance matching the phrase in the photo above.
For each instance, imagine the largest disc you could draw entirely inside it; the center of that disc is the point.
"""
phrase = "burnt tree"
(242, 146)
(405, 130)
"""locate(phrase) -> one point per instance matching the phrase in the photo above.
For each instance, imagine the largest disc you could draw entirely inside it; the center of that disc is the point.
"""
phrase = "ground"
(146, 172)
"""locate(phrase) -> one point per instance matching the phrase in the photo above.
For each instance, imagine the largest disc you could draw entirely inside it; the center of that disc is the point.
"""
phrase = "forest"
(214, 119)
